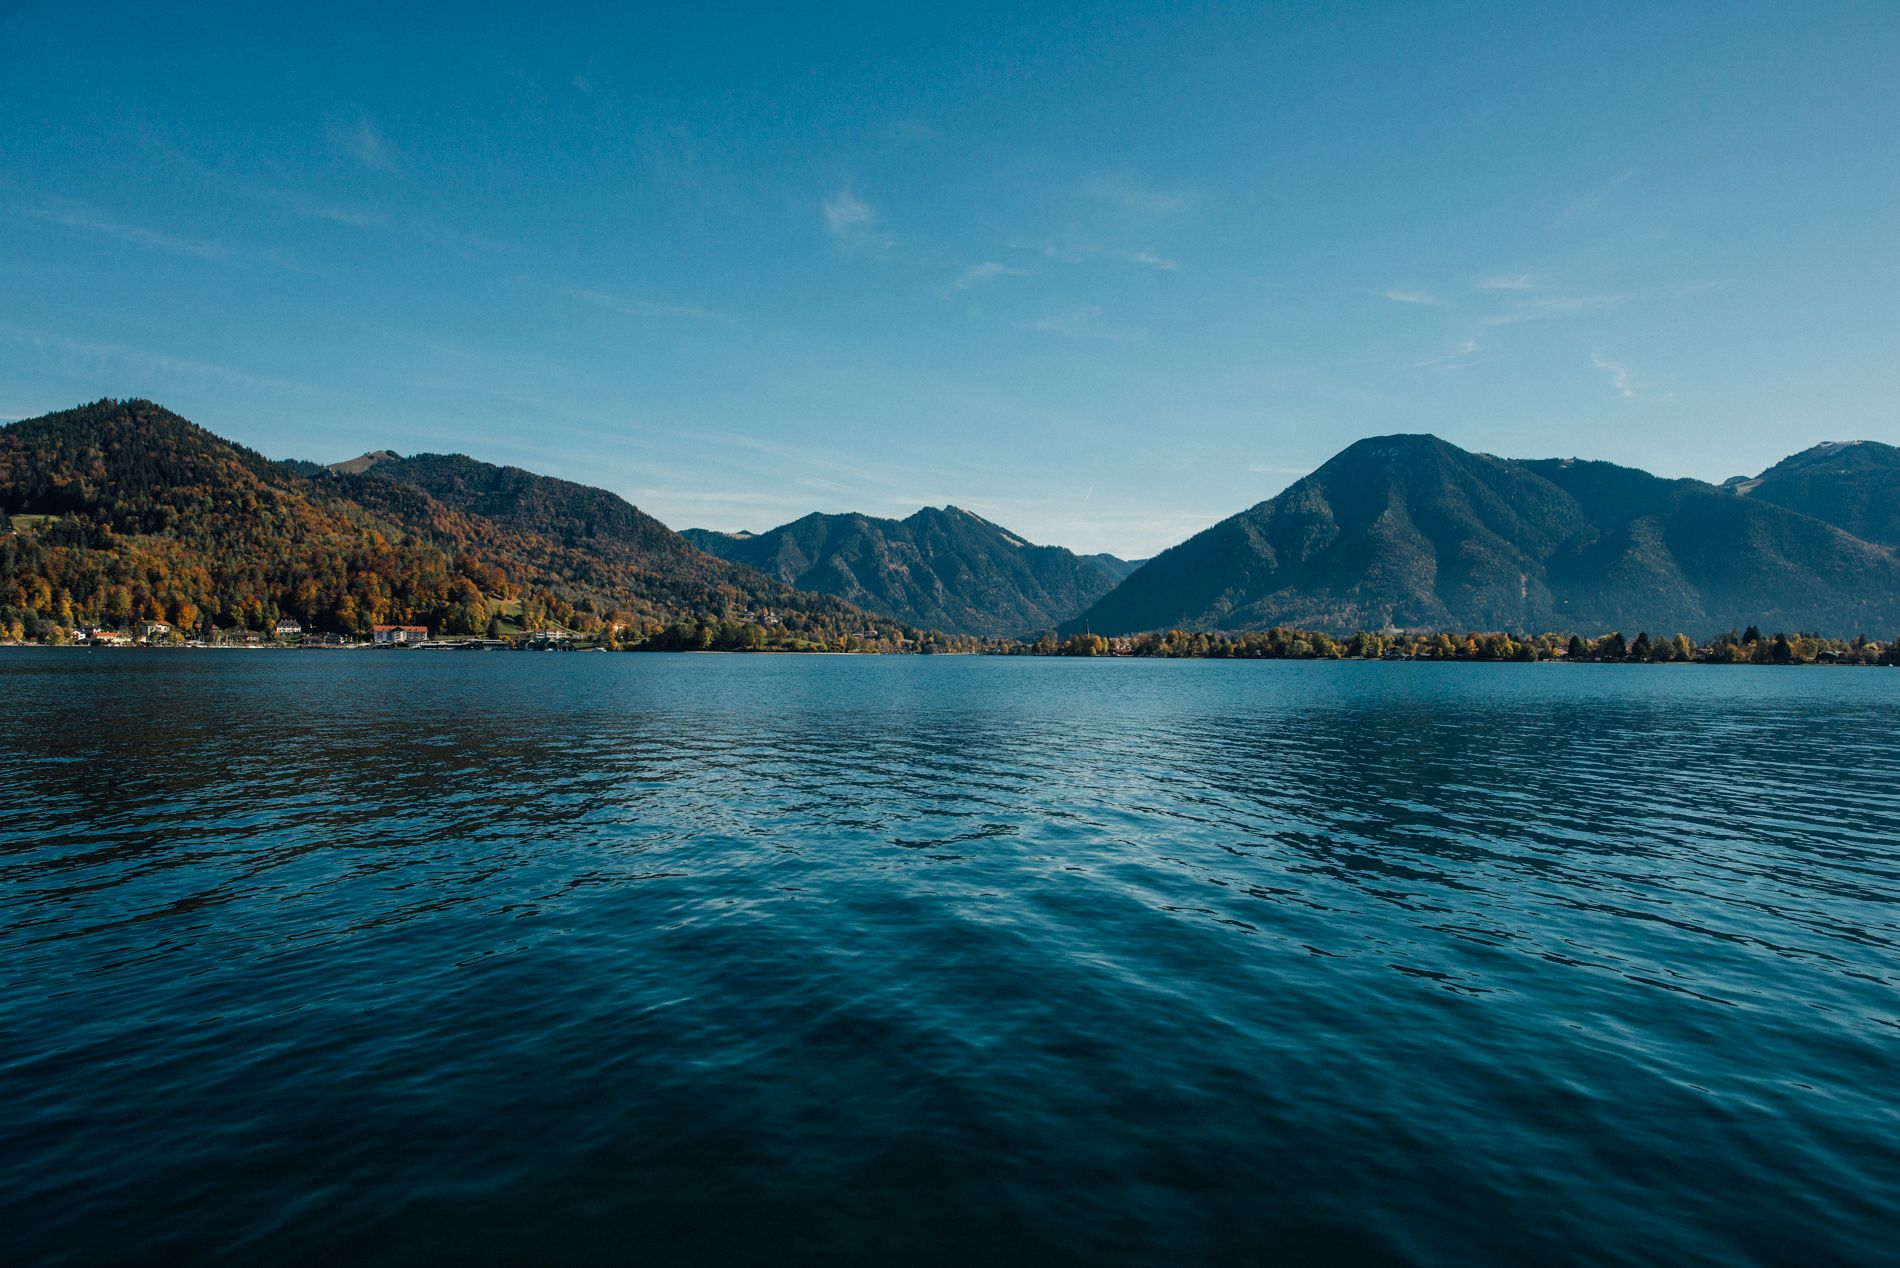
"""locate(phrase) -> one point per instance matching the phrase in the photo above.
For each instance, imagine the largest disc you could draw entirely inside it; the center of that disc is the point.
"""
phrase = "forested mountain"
(123, 511)
(941, 568)
(569, 537)
(136, 514)
(1412, 532)
(1854, 486)
(1114, 565)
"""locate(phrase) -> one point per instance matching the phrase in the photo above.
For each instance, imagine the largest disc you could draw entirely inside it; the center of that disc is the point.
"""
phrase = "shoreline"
(1883, 663)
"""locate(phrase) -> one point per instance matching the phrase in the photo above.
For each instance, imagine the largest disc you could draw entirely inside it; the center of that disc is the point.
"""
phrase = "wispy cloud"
(335, 213)
(1147, 259)
(988, 271)
(854, 224)
(1140, 199)
(1506, 282)
(365, 143)
(1406, 295)
(1619, 375)
(1561, 306)
(636, 307)
(1586, 203)
(90, 354)
(1083, 252)
(1456, 359)
(80, 218)
(1083, 323)
(908, 130)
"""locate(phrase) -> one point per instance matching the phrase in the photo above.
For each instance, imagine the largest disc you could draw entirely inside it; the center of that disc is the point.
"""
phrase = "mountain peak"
(363, 462)
(1414, 531)
(941, 567)
(1853, 453)
(1851, 484)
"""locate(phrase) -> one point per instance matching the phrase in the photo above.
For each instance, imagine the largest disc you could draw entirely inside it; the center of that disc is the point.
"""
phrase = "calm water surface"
(326, 958)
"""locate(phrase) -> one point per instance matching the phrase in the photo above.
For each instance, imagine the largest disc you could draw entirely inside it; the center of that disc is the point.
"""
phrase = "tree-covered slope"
(1401, 530)
(571, 537)
(1416, 533)
(943, 568)
(1854, 486)
(132, 513)
(150, 517)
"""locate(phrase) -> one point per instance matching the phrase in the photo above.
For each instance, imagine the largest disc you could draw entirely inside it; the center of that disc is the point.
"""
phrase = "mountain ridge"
(1411, 531)
(141, 514)
(122, 510)
(941, 567)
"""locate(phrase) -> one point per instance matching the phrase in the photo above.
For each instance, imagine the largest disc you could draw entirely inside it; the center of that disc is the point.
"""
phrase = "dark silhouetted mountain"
(1854, 486)
(944, 569)
(1410, 531)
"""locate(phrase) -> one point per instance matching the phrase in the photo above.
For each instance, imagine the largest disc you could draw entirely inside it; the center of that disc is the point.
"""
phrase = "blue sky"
(1104, 275)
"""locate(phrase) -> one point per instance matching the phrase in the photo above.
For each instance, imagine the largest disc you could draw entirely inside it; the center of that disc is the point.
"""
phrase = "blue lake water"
(323, 958)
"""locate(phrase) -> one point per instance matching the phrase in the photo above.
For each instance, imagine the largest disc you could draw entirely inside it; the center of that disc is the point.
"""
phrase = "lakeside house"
(289, 627)
(549, 639)
(398, 635)
(157, 631)
(99, 636)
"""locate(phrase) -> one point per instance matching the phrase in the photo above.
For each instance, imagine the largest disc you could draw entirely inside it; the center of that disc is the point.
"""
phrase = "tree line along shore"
(732, 634)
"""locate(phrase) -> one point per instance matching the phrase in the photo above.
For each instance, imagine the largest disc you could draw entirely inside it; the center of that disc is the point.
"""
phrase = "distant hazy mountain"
(943, 569)
(1854, 486)
(1413, 532)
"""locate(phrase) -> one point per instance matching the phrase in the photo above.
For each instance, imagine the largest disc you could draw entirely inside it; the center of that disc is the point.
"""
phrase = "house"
(156, 630)
(100, 637)
(289, 627)
(549, 639)
(398, 635)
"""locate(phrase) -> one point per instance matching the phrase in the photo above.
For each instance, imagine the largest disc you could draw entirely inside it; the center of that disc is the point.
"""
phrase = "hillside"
(1114, 565)
(137, 514)
(569, 537)
(942, 568)
(150, 517)
(1854, 486)
(1413, 532)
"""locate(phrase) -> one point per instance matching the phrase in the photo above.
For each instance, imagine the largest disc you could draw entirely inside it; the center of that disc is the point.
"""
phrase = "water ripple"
(816, 959)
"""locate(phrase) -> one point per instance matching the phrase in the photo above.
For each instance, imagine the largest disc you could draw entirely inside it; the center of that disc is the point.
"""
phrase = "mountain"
(1853, 485)
(940, 568)
(567, 536)
(132, 512)
(139, 514)
(122, 511)
(361, 463)
(1414, 532)
(1114, 565)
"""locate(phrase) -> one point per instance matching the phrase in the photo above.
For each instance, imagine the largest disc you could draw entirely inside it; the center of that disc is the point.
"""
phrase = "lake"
(386, 957)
